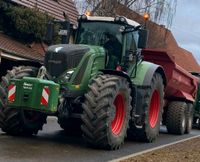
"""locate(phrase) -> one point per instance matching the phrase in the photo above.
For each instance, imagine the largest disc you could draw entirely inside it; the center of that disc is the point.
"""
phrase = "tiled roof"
(162, 38)
(53, 7)
(13, 47)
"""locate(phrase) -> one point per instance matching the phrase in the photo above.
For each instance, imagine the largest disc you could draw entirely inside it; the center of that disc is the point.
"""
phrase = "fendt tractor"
(106, 85)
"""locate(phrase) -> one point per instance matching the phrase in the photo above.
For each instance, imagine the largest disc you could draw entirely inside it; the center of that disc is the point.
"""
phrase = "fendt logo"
(55, 61)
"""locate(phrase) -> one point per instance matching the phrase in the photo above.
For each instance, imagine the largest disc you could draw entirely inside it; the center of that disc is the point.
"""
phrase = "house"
(12, 51)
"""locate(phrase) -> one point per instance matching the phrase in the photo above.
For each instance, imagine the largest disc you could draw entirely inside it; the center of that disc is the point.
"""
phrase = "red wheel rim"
(118, 120)
(154, 109)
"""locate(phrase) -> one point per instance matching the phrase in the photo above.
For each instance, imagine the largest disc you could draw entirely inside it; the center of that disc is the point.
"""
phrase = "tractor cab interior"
(131, 45)
(103, 34)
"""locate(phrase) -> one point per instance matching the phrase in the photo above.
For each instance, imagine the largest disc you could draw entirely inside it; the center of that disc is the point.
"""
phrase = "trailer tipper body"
(180, 84)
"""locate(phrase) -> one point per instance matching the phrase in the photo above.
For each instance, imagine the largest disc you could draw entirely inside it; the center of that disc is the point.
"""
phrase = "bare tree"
(161, 11)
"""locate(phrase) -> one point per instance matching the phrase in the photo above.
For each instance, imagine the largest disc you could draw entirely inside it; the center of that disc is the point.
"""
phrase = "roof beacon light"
(146, 16)
(88, 13)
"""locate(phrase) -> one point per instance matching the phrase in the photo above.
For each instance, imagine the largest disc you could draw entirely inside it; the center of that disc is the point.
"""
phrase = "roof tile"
(12, 46)
(52, 7)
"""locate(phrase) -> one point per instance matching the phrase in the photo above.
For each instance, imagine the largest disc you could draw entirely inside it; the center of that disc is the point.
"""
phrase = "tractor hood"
(61, 57)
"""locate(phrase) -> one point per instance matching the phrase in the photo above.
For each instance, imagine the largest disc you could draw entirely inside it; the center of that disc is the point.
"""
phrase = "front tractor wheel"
(106, 112)
(18, 121)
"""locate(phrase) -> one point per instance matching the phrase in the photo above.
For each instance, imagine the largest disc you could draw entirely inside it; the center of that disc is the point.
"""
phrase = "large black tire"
(18, 121)
(106, 112)
(189, 118)
(153, 107)
(176, 117)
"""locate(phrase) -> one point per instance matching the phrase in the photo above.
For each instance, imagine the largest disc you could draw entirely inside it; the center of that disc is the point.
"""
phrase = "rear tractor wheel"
(106, 112)
(153, 107)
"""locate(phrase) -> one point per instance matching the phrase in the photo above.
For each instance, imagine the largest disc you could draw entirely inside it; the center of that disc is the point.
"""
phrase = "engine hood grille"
(59, 58)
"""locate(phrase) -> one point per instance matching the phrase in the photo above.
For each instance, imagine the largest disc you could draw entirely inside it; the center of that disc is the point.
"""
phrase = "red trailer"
(180, 91)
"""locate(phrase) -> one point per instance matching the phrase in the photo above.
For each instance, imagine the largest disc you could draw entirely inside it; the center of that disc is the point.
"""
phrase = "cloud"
(186, 26)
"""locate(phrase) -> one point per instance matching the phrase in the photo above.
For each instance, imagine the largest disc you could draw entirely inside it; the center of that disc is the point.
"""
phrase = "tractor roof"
(117, 19)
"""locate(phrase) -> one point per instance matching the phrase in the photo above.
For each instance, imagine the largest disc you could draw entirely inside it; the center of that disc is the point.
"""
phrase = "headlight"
(122, 19)
(82, 17)
(67, 76)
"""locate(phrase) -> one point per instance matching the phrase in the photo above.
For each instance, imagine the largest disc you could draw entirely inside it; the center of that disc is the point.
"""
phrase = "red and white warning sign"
(11, 92)
(45, 96)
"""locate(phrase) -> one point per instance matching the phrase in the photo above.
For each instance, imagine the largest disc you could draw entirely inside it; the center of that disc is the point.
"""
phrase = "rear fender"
(145, 72)
(142, 81)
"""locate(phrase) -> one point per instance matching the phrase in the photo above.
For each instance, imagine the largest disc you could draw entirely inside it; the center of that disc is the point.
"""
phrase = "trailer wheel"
(16, 121)
(153, 107)
(106, 112)
(176, 117)
(189, 118)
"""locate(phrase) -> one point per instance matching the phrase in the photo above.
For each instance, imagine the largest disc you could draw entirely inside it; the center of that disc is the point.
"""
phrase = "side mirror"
(65, 32)
(50, 32)
(143, 38)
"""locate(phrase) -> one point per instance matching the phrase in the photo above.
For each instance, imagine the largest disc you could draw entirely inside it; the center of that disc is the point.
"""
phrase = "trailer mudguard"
(145, 72)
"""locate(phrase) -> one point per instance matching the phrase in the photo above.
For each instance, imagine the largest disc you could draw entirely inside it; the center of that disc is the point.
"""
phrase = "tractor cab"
(119, 37)
(115, 41)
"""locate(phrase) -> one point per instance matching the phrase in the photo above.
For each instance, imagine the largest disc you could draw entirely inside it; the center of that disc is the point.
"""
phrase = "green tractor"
(99, 86)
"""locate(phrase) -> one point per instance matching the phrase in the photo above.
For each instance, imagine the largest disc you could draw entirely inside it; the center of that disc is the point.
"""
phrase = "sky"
(186, 26)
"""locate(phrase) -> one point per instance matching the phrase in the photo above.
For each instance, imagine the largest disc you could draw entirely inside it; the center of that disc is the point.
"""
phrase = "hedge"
(25, 24)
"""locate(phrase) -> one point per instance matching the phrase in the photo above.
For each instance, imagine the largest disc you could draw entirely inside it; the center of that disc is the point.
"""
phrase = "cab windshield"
(97, 33)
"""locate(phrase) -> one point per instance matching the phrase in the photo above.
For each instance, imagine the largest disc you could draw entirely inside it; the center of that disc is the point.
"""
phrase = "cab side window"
(130, 42)
(131, 46)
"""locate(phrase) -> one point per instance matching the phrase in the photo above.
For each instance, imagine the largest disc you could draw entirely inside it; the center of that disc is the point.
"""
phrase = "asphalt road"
(51, 145)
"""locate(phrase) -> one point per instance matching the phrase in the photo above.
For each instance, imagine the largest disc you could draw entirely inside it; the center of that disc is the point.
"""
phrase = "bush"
(24, 23)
